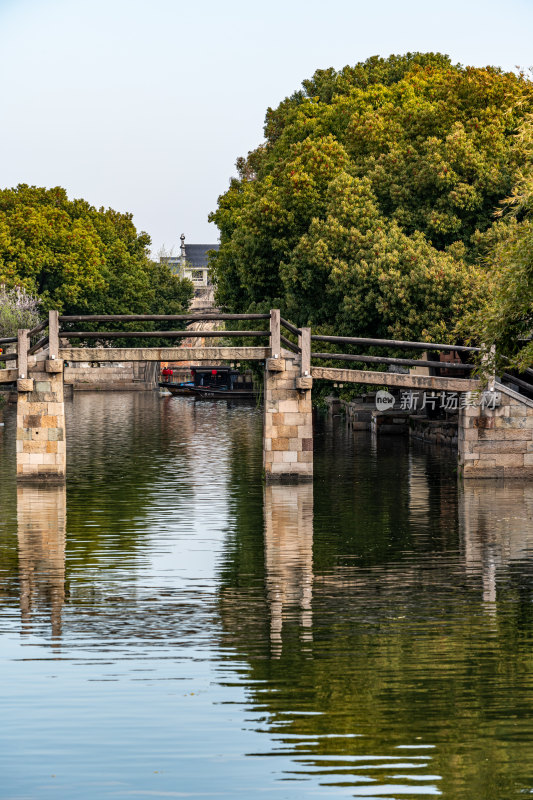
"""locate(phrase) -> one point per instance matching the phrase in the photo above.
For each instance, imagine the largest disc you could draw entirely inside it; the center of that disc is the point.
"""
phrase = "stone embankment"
(492, 442)
(434, 431)
(498, 442)
(128, 377)
(362, 415)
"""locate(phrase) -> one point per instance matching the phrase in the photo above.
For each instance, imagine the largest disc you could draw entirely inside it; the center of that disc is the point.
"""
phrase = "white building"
(192, 263)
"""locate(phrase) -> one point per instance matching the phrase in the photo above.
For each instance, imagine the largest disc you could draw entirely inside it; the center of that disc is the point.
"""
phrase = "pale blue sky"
(144, 105)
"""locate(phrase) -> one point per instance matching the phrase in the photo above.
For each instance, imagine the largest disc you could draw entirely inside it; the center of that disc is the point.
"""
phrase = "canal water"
(171, 628)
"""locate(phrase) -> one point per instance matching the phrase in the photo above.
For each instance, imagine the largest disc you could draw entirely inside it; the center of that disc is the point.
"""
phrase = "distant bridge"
(496, 442)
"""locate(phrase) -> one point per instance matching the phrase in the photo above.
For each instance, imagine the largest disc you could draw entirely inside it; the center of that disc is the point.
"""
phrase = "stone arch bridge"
(493, 442)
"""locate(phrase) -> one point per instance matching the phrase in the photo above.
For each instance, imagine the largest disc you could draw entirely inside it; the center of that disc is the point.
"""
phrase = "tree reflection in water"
(371, 657)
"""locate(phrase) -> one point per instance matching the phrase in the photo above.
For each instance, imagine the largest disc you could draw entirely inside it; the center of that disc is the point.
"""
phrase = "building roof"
(196, 254)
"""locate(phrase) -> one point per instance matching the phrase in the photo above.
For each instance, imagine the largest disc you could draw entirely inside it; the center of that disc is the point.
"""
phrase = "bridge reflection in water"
(41, 521)
(495, 531)
(495, 525)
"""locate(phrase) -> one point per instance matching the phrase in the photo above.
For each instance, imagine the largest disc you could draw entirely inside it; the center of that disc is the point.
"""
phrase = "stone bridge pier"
(41, 446)
(288, 421)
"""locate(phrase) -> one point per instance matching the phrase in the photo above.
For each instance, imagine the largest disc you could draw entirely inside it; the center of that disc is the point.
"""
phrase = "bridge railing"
(193, 317)
(302, 346)
(298, 340)
(74, 327)
(289, 344)
(7, 340)
(24, 348)
(7, 369)
(305, 340)
(396, 344)
(182, 333)
(40, 343)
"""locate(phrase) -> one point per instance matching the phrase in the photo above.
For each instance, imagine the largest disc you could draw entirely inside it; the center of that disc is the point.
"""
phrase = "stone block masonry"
(288, 423)
(130, 376)
(433, 431)
(498, 442)
(41, 446)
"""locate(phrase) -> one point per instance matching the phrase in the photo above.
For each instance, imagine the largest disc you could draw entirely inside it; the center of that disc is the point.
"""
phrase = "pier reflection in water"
(191, 632)
(41, 520)
(496, 522)
(288, 514)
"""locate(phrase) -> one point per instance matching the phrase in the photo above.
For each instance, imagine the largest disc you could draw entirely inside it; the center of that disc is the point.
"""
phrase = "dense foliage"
(80, 259)
(18, 309)
(370, 205)
(506, 318)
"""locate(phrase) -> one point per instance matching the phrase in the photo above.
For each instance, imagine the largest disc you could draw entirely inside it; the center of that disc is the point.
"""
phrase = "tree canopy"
(80, 259)
(506, 317)
(369, 206)
(18, 309)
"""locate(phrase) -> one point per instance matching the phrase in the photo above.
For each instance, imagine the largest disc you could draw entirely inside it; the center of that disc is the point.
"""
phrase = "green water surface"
(169, 627)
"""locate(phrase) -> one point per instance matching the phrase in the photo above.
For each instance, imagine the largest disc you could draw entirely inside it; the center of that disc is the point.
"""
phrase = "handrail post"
(488, 364)
(53, 334)
(304, 341)
(275, 333)
(22, 352)
(492, 381)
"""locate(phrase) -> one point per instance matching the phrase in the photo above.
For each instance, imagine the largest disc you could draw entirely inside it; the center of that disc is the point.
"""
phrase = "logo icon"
(384, 400)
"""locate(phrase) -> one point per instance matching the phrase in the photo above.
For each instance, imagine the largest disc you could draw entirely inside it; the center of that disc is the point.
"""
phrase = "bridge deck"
(394, 379)
(164, 353)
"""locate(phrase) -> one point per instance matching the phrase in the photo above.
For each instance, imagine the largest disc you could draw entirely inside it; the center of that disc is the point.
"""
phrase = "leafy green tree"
(509, 314)
(18, 309)
(505, 318)
(366, 210)
(368, 270)
(80, 259)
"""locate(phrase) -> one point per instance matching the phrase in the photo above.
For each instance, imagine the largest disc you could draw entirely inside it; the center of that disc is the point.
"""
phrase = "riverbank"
(363, 415)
